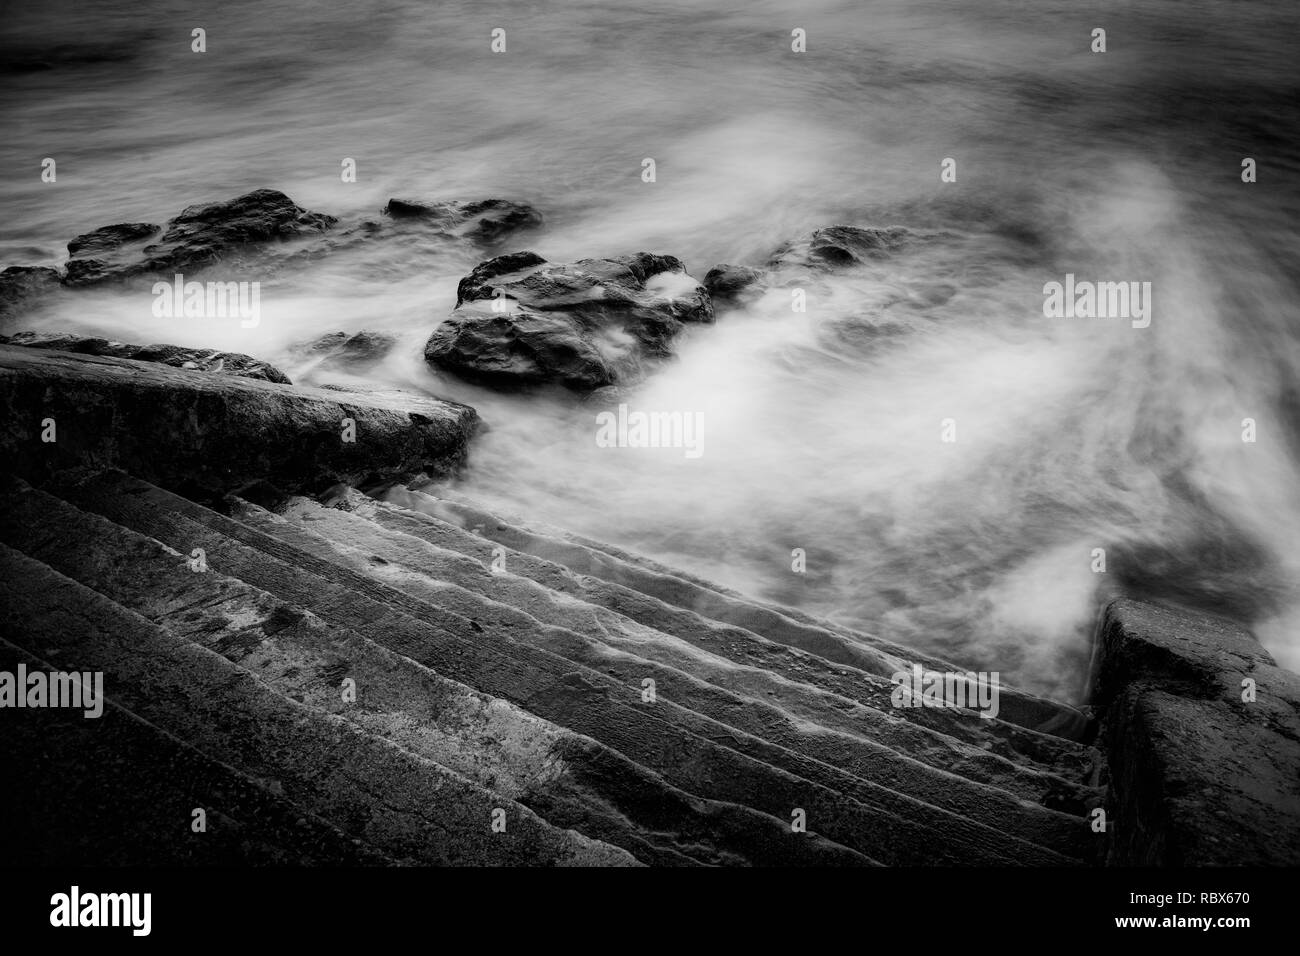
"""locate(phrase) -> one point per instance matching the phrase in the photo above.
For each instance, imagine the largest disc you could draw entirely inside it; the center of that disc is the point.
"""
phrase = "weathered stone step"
(114, 790)
(698, 754)
(594, 580)
(569, 780)
(629, 652)
(406, 806)
(785, 625)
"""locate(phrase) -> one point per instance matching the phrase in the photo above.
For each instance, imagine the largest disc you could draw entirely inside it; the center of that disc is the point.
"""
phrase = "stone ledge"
(210, 435)
(1198, 776)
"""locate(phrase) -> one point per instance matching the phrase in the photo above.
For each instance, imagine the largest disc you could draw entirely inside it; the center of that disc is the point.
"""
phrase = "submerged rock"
(199, 236)
(727, 282)
(177, 356)
(360, 349)
(837, 247)
(485, 221)
(19, 285)
(520, 320)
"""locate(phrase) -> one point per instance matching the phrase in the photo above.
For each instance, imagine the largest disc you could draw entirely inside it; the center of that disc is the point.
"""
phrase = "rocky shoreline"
(603, 709)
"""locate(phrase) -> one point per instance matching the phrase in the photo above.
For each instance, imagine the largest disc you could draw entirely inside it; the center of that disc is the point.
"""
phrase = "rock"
(837, 247)
(350, 351)
(104, 252)
(485, 221)
(522, 321)
(21, 284)
(107, 238)
(177, 356)
(199, 236)
(520, 349)
(727, 282)
(211, 435)
(1199, 776)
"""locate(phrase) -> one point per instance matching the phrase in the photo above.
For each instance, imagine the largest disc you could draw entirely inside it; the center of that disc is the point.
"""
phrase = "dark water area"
(821, 431)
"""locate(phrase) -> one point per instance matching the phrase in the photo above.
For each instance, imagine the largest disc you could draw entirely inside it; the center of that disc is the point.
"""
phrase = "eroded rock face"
(485, 221)
(199, 236)
(520, 320)
(177, 356)
(216, 434)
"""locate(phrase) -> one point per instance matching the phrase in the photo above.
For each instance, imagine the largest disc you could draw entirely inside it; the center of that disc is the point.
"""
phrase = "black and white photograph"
(854, 435)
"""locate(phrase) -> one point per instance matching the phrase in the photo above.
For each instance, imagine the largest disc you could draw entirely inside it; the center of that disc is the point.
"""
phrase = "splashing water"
(822, 430)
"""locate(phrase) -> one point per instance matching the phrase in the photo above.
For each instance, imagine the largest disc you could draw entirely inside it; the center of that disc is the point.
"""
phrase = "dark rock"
(350, 351)
(520, 320)
(199, 236)
(20, 284)
(485, 220)
(837, 247)
(519, 349)
(177, 356)
(1199, 776)
(215, 434)
(107, 238)
(725, 281)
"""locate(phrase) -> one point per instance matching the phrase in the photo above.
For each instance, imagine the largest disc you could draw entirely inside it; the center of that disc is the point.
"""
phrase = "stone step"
(661, 602)
(567, 779)
(700, 755)
(407, 807)
(784, 625)
(619, 647)
(73, 794)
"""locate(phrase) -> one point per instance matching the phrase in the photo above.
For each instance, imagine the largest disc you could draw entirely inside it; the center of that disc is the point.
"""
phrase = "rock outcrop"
(349, 352)
(1202, 734)
(521, 321)
(177, 356)
(726, 282)
(200, 236)
(485, 221)
(20, 285)
(836, 247)
(208, 434)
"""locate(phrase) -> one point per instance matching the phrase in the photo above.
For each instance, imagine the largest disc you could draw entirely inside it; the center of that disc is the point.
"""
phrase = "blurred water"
(1071, 434)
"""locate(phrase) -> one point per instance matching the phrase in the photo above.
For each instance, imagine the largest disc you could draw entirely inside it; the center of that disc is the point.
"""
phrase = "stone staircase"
(410, 678)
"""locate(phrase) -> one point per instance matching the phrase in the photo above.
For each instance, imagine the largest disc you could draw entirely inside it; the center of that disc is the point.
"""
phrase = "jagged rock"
(212, 434)
(726, 281)
(520, 320)
(177, 356)
(485, 220)
(837, 247)
(340, 349)
(199, 236)
(21, 284)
